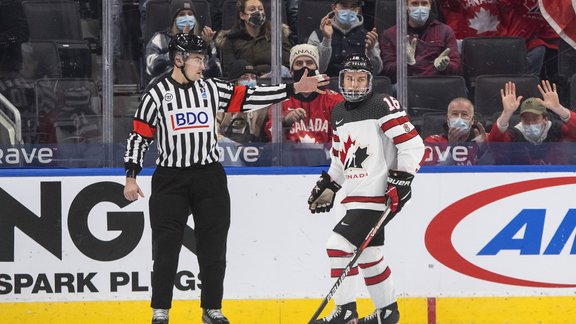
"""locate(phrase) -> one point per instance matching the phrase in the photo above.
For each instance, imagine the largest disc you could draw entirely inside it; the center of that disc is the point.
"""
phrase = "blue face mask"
(183, 21)
(347, 17)
(419, 15)
(248, 83)
(459, 123)
(533, 131)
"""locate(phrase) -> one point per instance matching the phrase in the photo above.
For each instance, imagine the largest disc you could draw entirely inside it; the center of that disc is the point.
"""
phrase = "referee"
(180, 109)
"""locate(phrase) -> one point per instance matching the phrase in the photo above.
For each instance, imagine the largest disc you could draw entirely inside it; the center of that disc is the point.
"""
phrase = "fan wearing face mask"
(463, 141)
(533, 137)
(306, 116)
(431, 47)
(250, 39)
(342, 34)
(183, 21)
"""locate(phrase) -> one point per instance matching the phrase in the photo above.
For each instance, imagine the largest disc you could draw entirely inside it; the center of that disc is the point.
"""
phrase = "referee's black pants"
(176, 192)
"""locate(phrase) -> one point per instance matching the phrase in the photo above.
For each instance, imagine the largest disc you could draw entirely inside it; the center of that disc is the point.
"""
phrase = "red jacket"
(316, 127)
(518, 150)
(524, 19)
(435, 38)
(472, 18)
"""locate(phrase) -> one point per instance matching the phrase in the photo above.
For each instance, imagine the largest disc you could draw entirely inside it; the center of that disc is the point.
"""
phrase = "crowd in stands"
(436, 30)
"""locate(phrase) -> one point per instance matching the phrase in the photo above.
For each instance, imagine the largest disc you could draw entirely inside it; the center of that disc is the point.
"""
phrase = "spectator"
(306, 116)
(463, 141)
(472, 18)
(524, 19)
(341, 34)
(250, 40)
(242, 127)
(431, 48)
(183, 21)
(534, 134)
(13, 32)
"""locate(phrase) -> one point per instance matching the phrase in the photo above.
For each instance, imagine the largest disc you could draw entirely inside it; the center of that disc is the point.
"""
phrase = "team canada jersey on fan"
(182, 117)
(369, 140)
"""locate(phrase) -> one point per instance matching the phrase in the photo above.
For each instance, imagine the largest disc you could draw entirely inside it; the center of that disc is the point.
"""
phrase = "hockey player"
(375, 153)
(179, 109)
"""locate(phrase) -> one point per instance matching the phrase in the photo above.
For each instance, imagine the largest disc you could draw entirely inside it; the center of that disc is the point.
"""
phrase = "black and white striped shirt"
(183, 119)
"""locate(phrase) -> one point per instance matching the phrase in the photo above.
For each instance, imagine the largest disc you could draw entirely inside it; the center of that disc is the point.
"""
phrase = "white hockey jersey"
(370, 139)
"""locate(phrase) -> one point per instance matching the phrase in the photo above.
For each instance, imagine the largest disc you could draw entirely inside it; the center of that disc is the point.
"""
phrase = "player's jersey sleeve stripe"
(405, 137)
(390, 123)
(144, 129)
(237, 98)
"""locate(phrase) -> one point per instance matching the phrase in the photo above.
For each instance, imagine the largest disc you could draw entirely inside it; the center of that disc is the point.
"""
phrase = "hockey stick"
(355, 257)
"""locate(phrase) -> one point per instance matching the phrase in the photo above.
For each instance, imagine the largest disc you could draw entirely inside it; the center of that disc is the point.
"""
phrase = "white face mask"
(459, 123)
(533, 131)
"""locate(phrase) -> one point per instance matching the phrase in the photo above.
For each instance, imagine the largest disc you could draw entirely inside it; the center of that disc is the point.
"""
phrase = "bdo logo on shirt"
(191, 119)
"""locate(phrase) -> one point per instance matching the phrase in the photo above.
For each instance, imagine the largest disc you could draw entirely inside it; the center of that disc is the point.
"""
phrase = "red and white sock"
(340, 253)
(377, 276)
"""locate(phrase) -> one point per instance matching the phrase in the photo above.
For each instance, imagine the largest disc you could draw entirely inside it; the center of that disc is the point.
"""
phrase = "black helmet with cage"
(355, 63)
(186, 44)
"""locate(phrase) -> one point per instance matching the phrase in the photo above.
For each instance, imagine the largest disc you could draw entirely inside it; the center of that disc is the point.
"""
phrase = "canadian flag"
(561, 15)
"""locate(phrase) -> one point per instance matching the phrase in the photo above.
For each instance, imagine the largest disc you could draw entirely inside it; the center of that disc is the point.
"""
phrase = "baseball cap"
(239, 68)
(359, 2)
(532, 105)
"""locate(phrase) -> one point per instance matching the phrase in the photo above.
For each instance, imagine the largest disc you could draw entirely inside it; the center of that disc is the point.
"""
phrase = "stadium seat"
(157, 12)
(58, 21)
(385, 15)
(310, 13)
(433, 93)
(53, 19)
(487, 98)
(492, 55)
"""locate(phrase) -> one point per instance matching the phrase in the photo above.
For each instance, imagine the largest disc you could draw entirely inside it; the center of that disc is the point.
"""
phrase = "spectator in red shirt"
(306, 116)
(463, 141)
(534, 135)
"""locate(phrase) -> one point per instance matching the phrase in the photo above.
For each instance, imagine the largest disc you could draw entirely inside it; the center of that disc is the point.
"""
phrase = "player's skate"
(213, 316)
(386, 315)
(160, 316)
(342, 314)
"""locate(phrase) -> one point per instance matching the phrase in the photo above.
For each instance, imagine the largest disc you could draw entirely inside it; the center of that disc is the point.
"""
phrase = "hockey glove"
(398, 190)
(322, 196)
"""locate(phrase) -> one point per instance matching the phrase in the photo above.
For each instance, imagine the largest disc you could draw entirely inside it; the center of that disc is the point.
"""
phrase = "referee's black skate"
(160, 316)
(342, 314)
(386, 315)
(213, 316)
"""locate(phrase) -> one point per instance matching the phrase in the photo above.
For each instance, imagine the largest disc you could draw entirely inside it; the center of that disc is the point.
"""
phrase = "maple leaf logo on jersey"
(484, 21)
(353, 155)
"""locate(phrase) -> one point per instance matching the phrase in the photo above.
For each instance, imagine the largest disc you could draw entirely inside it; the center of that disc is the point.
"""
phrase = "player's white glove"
(411, 51)
(322, 196)
(442, 61)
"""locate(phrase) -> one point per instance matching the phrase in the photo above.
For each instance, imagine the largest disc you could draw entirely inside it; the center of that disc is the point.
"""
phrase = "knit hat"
(177, 5)
(304, 49)
(532, 105)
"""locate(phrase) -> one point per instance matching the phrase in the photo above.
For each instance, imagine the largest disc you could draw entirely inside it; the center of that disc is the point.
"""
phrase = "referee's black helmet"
(186, 44)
